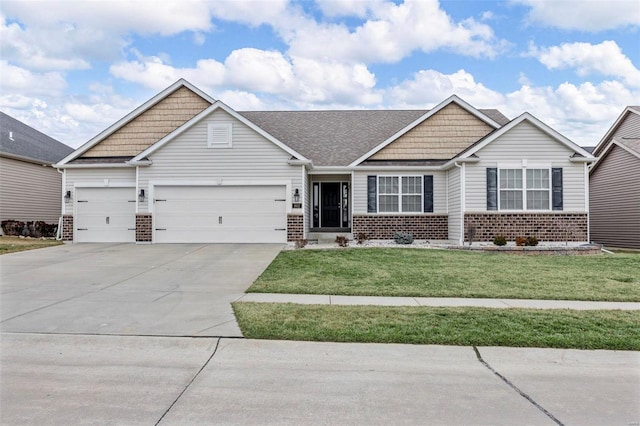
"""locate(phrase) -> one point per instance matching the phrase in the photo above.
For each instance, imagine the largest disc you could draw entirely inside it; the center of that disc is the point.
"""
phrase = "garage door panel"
(105, 215)
(220, 214)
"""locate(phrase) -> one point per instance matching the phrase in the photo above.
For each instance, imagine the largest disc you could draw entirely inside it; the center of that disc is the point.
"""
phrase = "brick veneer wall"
(144, 232)
(544, 226)
(382, 227)
(295, 227)
(67, 228)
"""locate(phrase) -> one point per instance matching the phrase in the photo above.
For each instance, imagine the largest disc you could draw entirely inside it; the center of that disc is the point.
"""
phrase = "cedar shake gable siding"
(151, 125)
(442, 136)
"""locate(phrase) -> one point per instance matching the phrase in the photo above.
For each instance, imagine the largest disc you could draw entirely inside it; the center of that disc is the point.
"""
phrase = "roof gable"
(147, 124)
(525, 117)
(630, 145)
(217, 105)
(629, 113)
(445, 134)
(21, 141)
(449, 101)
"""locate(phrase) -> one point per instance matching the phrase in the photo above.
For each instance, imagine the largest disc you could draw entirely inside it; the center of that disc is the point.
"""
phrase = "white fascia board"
(94, 166)
(537, 123)
(217, 105)
(431, 112)
(133, 114)
(612, 129)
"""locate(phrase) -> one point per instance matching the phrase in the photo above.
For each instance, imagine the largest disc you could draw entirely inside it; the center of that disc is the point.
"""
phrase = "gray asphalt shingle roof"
(16, 138)
(337, 138)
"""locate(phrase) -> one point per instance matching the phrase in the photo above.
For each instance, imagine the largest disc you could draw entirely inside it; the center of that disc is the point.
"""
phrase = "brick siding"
(382, 227)
(144, 232)
(544, 226)
(295, 227)
(67, 228)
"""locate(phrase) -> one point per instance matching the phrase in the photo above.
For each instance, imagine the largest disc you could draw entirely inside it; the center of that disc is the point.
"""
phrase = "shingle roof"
(337, 138)
(16, 138)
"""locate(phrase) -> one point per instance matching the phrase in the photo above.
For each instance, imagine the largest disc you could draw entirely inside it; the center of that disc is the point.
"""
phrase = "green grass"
(448, 273)
(615, 330)
(10, 244)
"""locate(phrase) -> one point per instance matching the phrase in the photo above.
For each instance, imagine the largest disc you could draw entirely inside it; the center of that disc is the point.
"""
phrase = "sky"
(73, 68)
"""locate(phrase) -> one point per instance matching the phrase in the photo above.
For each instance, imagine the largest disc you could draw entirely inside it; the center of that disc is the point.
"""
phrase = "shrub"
(342, 241)
(500, 240)
(520, 241)
(361, 237)
(471, 233)
(531, 241)
(403, 238)
(301, 243)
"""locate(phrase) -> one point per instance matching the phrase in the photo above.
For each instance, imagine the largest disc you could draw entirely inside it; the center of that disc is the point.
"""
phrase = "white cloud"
(605, 58)
(430, 87)
(588, 15)
(16, 80)
(351, 8)
(392, 33)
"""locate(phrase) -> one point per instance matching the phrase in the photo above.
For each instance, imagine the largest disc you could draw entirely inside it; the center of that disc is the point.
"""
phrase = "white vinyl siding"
(188, 159)
(359, 191)
(525, 141)
(29, 192)
(453, 204)
(97, 177)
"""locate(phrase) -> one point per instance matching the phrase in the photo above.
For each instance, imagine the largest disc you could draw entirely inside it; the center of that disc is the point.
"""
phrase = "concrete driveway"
(128, 289)
(122, 334)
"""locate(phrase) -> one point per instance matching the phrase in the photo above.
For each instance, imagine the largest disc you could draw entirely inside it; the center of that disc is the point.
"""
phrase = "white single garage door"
(105, 215)
(220, 214)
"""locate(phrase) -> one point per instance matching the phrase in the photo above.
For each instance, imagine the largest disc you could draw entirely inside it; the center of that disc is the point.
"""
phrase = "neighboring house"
(615, 184)
(29, 186)
(184, 167)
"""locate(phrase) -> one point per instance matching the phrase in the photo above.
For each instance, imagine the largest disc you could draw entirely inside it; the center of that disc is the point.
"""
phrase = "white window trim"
(400, 194)
(227, 127)
(523, 167)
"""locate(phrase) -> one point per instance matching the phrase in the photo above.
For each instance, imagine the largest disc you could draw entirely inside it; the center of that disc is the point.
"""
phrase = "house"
(614, 184)
(31, 187)
(184, 167)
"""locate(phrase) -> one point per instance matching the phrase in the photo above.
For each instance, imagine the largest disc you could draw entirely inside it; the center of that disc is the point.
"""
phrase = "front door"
(330, 204)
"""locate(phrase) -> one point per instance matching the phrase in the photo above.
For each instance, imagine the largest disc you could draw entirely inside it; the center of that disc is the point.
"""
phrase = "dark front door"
(330, 204)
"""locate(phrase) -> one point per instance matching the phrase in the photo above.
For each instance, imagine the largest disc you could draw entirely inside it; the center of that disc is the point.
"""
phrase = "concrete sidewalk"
(319, 299)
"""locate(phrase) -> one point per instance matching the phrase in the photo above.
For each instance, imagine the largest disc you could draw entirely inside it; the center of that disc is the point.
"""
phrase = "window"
(530, 193)
(399, 194)
(219, 135)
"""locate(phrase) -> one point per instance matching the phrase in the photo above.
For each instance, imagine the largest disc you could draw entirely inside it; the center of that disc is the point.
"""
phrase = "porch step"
(327, 237)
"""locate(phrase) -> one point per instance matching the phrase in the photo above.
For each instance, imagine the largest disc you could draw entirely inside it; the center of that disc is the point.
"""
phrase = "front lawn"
(449, 273)
(9, 244)
(615, 330)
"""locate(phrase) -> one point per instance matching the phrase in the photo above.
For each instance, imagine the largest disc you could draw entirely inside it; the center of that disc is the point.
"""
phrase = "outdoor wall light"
(67, 196)
(296, 196)
(141, 195)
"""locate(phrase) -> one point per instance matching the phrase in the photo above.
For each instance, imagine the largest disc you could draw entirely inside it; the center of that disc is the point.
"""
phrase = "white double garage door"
(185, 214)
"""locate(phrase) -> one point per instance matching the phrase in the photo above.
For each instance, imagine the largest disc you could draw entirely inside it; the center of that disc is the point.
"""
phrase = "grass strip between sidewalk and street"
(449, 273)
(9, 244)
(613, 330)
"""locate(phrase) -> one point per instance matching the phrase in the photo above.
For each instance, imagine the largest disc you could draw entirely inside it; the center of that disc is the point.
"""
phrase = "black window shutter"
(492, 188)
(427, 187)
(372, 194)
(556, 188)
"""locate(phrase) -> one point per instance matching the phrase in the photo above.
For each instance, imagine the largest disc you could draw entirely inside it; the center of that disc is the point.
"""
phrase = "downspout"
(586, 201)
(62, 206)
(462, 207)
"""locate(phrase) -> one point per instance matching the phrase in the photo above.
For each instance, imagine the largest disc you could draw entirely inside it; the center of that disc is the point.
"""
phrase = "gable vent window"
(219, 135)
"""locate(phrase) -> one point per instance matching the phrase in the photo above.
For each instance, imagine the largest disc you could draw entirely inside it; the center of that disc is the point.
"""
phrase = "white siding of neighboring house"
(29, 192)
(95, 177)
(360, 188)
(187, 159)
(525, 141)
(453, 203)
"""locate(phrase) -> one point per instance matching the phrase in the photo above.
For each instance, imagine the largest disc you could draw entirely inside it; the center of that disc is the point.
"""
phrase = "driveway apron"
(127, 289)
